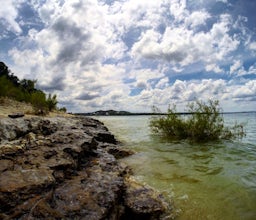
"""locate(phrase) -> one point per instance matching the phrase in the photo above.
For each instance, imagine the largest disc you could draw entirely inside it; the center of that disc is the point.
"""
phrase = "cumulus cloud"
(213, 67)
(246, 92)
(237, 68)
(129, 54)
(197, 18)
(184, 46)
(163, 83)
(87, 96)
(56, 83)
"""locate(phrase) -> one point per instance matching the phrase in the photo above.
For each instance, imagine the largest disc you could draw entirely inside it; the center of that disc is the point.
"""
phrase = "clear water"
(215, 181)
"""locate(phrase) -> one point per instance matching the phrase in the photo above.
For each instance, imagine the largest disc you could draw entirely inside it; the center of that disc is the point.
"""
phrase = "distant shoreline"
(125, 113)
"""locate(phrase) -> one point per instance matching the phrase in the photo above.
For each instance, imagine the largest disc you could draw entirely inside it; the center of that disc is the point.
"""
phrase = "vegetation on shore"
(203, 123)
(24, 91)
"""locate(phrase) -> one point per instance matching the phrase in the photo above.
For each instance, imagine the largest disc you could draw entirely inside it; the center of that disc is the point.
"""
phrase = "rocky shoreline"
(68, 168)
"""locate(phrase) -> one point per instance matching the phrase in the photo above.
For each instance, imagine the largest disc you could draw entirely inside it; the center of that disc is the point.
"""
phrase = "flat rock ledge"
(68, 168)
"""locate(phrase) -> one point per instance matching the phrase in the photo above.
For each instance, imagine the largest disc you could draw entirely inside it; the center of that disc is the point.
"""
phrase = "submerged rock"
(67, 168)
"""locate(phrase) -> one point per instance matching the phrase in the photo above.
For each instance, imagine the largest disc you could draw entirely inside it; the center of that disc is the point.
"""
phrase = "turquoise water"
(208, 181)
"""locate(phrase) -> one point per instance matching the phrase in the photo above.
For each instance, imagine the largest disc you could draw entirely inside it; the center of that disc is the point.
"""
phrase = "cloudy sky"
(132, 54)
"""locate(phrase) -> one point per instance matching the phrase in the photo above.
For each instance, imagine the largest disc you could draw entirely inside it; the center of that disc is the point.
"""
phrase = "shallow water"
(208, 181)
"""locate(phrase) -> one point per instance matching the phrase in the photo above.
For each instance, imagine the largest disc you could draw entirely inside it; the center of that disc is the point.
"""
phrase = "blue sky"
(130, 54)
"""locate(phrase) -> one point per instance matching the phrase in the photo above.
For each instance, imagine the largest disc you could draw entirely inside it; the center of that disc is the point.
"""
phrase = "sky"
(133, 54)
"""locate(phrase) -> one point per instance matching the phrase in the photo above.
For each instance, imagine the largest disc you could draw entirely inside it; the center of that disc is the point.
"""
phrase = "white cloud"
(237, 68)
(94, 55)
(224, 1)
(252, 46)
(197, 18)
(163, 83)
(48, 11)
(182, 46)
(9, 13)
(145, 74)
(213, 67)
(178, 9)
(180, 92)
(246, 92)
(252, 69)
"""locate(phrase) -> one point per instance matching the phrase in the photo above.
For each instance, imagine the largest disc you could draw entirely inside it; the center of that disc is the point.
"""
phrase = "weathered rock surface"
(67, 168)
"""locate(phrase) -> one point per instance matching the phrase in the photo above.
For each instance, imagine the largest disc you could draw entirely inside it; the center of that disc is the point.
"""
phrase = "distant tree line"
(24, 91)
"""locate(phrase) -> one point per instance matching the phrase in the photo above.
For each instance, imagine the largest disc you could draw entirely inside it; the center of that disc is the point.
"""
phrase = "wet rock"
(105, 136)
(16, 186)
(93, 196)
(143, 202)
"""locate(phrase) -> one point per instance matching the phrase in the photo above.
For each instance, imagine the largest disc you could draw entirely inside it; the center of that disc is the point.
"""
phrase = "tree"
(28, 85)
(4, 71)
(52, 102)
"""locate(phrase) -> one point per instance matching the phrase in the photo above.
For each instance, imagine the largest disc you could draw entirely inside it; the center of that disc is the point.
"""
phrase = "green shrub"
(63, 109)
(203, 123)
(38, 100)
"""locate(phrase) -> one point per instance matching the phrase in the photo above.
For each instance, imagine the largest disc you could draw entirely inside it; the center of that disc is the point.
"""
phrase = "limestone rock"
(67, 168)
(11, 129)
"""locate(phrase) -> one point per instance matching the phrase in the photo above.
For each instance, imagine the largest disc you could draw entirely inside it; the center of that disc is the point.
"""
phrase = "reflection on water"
(209, 181)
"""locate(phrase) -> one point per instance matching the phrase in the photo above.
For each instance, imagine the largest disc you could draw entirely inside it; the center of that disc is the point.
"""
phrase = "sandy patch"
(9, 106)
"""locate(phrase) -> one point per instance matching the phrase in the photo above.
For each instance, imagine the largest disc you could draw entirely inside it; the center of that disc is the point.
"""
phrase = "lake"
(215, 181)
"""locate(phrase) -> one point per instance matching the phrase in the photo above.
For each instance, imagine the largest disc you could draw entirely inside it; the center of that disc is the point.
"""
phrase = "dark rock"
(105, 136)
(16, 115)
(46, 127)
(49, 154)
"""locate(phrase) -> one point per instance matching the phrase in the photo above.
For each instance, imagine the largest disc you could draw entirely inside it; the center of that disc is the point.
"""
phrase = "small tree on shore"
(52, 102)
(203, 123)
